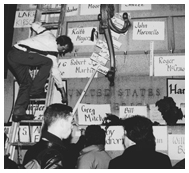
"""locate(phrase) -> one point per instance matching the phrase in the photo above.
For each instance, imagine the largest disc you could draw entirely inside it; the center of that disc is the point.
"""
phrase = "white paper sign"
(99, 59)
(24, 134)
(89, 114)
(76, 68)
(36, 131)
(155, 114)
(114, 138)
(129, 111)
(148, 30)
(176, 146)
(89, 9)
(24, 19)
(81, 36)
(169, 65)
(132, 7)
(72, 9)
(176, 90)
(160, 133)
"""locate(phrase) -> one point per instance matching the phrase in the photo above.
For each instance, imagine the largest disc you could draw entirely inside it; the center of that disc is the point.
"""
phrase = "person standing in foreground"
(41, 51)
(58, 120)
(93, 156)
(142, 155)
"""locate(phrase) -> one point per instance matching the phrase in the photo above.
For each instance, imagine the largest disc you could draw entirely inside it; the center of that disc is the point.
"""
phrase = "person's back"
(50, 151)
(141, 155)
(140, 158)
(93, 156)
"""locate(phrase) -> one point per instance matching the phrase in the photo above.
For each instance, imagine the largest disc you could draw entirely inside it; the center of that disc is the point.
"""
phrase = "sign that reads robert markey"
(89, 114)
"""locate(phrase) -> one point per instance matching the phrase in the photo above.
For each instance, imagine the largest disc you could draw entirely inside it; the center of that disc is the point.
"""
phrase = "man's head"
(139, 130)
(64, 44)
(58, 119)
(95, 135)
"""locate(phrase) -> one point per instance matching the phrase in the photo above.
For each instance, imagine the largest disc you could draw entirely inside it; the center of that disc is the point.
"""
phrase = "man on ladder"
(40, 50)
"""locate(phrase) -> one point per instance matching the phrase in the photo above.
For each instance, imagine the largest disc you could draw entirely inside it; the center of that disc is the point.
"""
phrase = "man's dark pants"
(21, 62)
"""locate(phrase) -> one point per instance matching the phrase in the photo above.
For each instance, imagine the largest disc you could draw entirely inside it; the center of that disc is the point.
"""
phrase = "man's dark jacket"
(56, 153)
(136, 157)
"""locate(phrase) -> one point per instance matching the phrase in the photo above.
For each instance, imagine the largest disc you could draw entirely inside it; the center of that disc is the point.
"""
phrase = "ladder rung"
(23, 143)
(31, 121)
(50, 11)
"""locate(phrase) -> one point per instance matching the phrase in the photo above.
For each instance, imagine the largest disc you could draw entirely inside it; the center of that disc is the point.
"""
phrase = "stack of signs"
(100, 61)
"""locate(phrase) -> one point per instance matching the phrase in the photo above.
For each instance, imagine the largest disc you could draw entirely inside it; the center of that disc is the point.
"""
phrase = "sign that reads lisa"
(81, 35)
(176, 146)
(90, 9)
(169, 65)
(89, 114)
(24, 19)
(148, 30)
(128, 111)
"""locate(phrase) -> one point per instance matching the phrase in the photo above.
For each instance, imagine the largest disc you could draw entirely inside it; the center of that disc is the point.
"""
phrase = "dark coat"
(55, 151)
(135, 157)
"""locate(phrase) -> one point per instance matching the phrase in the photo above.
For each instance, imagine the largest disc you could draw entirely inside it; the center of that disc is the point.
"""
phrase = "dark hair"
(95, 135)
(63, 40)
(139, 130)
(55, 111)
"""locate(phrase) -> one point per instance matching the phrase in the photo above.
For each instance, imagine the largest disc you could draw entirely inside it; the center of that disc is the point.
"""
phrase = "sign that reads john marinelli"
(148, 30)
(81, 35)
(89, 114)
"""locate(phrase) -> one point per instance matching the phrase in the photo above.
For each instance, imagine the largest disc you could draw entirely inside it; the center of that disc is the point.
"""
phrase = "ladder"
(44, 15)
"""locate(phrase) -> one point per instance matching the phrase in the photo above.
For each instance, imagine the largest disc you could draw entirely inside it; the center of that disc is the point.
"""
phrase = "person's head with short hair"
(64, 44)
(95, 135)
(58, 120)
(139, 129)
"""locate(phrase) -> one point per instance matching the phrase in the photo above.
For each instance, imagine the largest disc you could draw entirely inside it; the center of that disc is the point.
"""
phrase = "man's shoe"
(18, 118)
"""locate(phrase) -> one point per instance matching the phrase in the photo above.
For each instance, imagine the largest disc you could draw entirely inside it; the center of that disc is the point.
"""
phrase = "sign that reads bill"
(128, 111)
(89, 114)
(148, 30)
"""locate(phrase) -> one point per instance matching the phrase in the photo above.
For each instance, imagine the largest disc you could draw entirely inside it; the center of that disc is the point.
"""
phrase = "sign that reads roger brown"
(90, 114)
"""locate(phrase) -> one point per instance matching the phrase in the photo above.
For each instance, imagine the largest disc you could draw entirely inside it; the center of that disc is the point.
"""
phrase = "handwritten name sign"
(24, 19)
(76, 67)
(72, 9)
(114, 138)
(128, 111)
(148, 30)
(169, 65)
(160, 133)
(90, 9)
(81, 35)
(89, 114)
(176, 146)
(132, 7)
